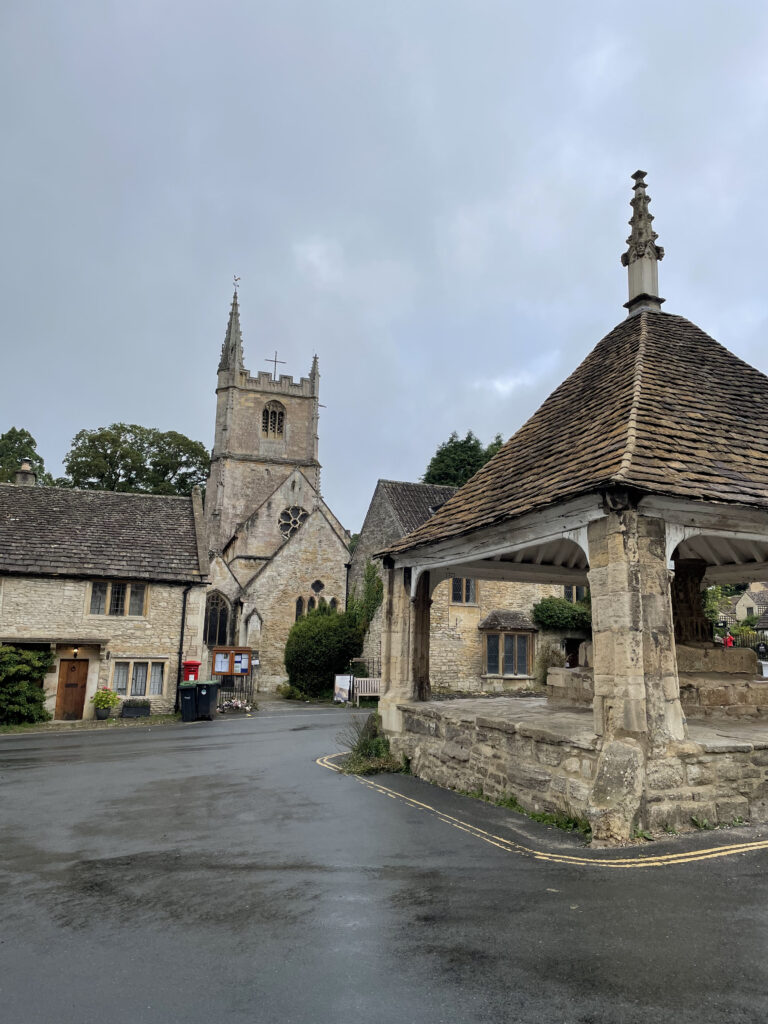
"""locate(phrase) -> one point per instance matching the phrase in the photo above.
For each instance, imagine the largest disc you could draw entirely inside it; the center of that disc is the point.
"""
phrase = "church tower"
(266, 428)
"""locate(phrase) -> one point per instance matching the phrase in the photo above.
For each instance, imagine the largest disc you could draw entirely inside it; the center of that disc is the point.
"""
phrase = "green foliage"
(16, 445)
(105, 698)
(548, 656)
(566, 822)
(137, 702)
(457, 459)
(362, 609)
(353, 539)
(368, 747)
(22, 698)
(128, 457)
(320, 645)
(290, 692)
(555, 613)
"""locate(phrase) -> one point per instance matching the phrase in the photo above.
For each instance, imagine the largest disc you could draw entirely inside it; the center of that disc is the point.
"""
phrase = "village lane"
(215, 872)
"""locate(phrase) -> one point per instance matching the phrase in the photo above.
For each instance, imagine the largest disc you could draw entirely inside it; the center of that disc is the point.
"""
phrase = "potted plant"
(136, 707)
(103, 701)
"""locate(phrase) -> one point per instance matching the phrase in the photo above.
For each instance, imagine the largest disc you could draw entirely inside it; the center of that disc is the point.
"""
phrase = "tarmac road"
(214, 872)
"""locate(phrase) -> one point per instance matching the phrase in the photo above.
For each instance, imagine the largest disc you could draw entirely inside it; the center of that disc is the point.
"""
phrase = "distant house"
(112, 583)
(482, 636)
(751, 602)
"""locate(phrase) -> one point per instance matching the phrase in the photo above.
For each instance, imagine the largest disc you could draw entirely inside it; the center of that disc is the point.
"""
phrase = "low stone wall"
(571, 686)
(498, 756)
(548, 758)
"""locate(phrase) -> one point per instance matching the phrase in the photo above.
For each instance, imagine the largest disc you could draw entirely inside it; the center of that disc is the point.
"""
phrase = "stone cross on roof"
(643, 255)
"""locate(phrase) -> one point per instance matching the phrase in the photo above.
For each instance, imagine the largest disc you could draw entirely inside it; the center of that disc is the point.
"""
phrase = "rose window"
(291, 519)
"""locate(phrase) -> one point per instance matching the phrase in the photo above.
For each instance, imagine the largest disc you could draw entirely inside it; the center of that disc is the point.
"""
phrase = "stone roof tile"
(56, 531)
(657, 405)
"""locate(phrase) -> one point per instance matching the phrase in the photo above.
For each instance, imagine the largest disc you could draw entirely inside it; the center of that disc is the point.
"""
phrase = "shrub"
(320, 645)
(136, 702)
(22, 698)
(105, 698)
(555, 613)
(290, 692)
(368, 748)
(548, 656)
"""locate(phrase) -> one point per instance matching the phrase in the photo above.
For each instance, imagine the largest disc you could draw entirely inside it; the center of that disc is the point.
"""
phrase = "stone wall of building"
(57, 611)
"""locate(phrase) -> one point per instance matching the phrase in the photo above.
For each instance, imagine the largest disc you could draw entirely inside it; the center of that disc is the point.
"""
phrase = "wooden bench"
(369, 687)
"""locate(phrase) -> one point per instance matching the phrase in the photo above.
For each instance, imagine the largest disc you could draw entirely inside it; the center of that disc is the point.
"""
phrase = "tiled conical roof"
(657, 405)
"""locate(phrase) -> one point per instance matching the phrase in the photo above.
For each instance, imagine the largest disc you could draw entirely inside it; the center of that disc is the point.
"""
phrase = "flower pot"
(101, 713)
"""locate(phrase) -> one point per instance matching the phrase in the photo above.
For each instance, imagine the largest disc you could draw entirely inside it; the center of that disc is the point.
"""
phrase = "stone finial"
(643, 255)
(25, 475)
(232, 349)
(315, 368)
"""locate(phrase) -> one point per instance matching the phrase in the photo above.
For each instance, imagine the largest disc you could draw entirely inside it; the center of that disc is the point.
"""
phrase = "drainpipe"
(187, 589)
(347, 566)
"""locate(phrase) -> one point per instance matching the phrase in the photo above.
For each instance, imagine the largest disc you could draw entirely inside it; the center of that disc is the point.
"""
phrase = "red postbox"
(191, 670)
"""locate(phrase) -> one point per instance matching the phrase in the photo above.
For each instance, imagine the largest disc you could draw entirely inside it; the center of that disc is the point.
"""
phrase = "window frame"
(468, 590)
(127, 597)
(500, 637)
(273, 421)
(151, 662)
(217, 642)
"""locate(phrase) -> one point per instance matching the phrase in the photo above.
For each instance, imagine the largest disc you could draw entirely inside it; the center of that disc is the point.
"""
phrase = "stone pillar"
(637, 709)
(691, 624)
(405, 645)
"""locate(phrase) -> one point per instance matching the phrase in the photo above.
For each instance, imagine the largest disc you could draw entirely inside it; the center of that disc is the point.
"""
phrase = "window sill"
(498, 675)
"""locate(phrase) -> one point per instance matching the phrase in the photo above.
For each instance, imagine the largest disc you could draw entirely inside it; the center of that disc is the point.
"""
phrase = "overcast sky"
(432, 195)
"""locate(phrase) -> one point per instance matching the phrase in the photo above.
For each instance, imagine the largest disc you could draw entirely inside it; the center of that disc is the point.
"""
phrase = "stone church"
(275, 547)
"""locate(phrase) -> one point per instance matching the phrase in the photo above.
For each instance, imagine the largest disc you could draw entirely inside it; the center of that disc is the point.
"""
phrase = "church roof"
(232, 348)
(54, 531)
(413, 503)
(658, 405)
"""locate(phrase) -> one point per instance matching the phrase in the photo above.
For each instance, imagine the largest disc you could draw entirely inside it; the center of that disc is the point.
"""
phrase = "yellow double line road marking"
(596, 860)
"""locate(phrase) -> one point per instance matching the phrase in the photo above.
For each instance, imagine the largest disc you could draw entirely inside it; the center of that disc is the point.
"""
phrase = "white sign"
(241, 664)
(221, 662)
(341, 688)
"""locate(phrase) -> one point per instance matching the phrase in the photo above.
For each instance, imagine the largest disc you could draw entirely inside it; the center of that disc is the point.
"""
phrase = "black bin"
(188, 699)
(207, 699)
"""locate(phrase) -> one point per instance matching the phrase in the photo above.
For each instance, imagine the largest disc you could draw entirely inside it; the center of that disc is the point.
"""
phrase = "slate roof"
(501, 618)
(657, 405)
(762, 622)
(411, 503)
(54, 531)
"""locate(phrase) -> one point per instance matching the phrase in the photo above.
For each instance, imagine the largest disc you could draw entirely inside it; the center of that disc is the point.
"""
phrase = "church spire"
(232, 349)
(643, 255)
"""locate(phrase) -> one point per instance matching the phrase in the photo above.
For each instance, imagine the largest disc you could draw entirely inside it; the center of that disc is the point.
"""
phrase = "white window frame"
(144, 659)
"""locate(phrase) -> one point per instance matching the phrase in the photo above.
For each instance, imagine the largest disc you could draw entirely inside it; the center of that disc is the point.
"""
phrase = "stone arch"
(273, 421)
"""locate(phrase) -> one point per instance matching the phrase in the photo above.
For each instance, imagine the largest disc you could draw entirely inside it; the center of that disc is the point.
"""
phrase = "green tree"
(22, 698)
(457, 459)
(320, 645)
(129, 457)
(16, 445)
(555, 613)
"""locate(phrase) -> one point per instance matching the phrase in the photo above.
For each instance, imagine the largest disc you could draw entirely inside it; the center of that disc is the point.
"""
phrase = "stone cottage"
(633, 477)
(113, 583)
(482, 636)
(275, 547)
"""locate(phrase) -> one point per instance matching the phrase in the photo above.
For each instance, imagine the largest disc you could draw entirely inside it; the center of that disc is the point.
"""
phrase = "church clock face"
(291, 519)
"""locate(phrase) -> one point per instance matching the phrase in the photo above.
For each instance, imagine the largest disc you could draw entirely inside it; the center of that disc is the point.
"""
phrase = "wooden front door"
(70, 694)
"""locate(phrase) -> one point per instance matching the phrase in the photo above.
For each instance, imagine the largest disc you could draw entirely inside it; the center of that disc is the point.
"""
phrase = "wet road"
(215, 873)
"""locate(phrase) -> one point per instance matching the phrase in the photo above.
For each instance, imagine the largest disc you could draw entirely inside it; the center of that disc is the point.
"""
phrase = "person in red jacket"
(728, 639)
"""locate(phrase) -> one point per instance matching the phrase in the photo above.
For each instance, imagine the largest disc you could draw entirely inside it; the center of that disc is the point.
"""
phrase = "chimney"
(25, 475)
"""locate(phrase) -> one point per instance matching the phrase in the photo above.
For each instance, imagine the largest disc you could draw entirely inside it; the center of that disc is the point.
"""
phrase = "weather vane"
(275, 360)
(237, 282)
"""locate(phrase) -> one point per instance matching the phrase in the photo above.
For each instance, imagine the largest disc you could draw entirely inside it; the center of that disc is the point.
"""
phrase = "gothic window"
(216, 620)
(299, 608)
(334, 604)
(290, 520)
(311, 604)
(463, 591)
(273, 420)
(317, 586)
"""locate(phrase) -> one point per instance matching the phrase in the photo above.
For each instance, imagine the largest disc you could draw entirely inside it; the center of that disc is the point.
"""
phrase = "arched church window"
(290, 519)
(311, 604)
(273, 420)
(216, 620)
(334, 604)
(299, 608)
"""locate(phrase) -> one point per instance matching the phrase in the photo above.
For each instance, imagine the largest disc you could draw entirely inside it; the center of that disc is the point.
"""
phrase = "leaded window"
(118, 598)
(508, 654)
(216, 620)
(463, 590)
